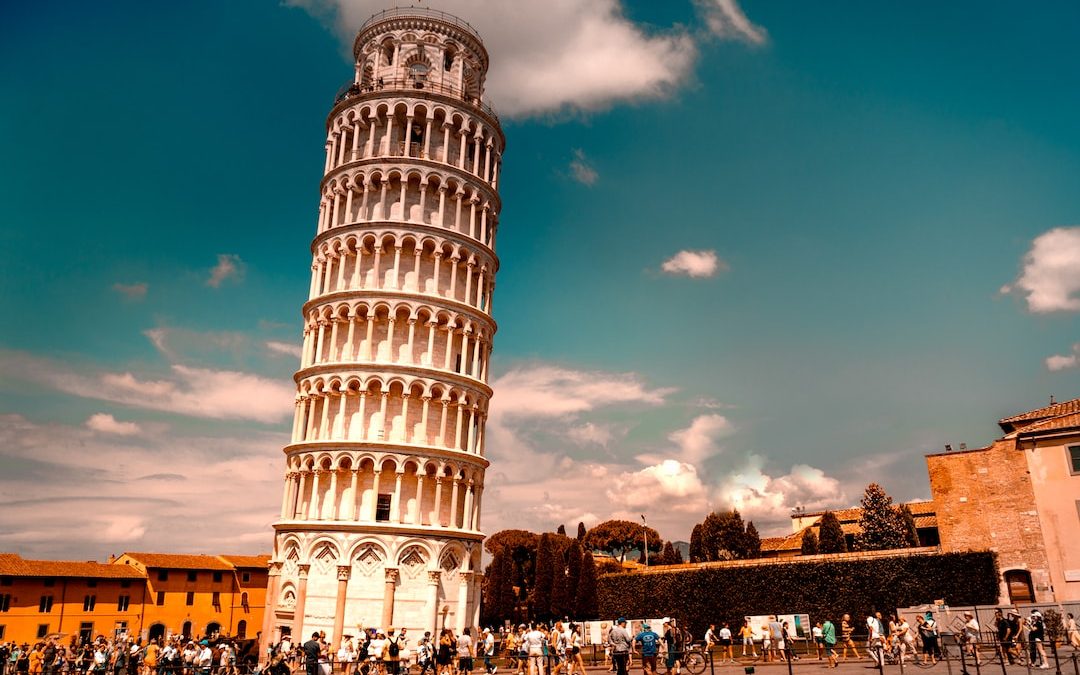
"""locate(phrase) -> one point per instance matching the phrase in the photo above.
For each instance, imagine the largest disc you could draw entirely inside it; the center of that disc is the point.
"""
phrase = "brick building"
(1020, 497)
(141, 594)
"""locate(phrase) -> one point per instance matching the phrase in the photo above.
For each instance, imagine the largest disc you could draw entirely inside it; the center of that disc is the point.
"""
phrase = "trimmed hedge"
(821, 588)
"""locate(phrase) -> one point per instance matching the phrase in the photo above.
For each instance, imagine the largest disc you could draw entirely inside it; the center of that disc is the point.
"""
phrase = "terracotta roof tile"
(1068, 421)
(247, 561)
(180, 561)
(14, 565)
(1055, 410)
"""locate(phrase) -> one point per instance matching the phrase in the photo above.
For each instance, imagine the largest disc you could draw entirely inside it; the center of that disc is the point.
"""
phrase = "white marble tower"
(380, 517)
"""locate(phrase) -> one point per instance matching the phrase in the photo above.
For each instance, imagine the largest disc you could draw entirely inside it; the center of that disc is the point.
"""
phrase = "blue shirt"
(650, 642)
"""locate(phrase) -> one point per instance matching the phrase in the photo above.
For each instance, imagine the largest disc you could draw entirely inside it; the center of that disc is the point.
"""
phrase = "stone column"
(433, 601)
(419, 497)
(374, 496)
(301, 602)
(388, 597)
(273, 587)
(437, 522)
(343, 572)
(355, 486)
(395, 509)
(463, 601)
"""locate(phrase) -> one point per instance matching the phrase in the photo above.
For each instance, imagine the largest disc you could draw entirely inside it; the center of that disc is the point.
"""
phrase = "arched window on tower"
(448, 60)
(418, 73)
(388, 51)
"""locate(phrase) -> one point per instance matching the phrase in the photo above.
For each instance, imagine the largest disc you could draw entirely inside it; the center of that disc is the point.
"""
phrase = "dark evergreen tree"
(540, 598)
(581, 531)
(588, 602)
(560, 601)
(830, 534)
(809, 542)
(881, 523)
(678, 557)
(697, 545)
(667, 554)
(573, 577)
(753, 541)
(561, 530)
(911, 533)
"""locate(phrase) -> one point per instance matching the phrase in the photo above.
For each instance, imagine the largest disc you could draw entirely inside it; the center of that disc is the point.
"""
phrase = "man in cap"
(649, 642)
(489, 651)
(620, 641)
(1036, 637)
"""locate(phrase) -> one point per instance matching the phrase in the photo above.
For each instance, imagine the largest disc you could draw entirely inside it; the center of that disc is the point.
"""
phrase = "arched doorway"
(241, 629)
(186, 630)
(157, 631)
(213, 628)
(1019, 584)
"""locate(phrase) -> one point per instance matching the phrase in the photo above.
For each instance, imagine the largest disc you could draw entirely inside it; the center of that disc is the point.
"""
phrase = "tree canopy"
(617, 537)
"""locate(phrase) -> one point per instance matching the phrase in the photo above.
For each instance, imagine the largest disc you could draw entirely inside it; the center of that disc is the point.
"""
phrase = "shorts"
(465, 663)
(748, 640)
(649, 663)
(725, 642)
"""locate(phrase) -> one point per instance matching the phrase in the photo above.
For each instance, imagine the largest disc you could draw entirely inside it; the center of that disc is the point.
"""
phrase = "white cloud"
(229, 266)
(581, 55)
(286, 348)
(1064, 361)
(107, 424)
(672, 485)
(695, 264)
(1050, 279)
(69, 492)
(582, 171)
(543, 391)
(136, 291)
(768, 500)
(198, 392)
(726, 19)
(597, 434)
(698, 441)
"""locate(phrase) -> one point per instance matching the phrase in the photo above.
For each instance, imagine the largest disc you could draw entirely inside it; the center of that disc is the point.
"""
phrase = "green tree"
(617, 537)
(588, 602)
(753, 541)
(881, 523)
(667, 554)
(581, 531)
(559, 605)
(522, 545)
(809, 542)
(573, 577)
(540, 598)
(697, 545)
(500, 603)
(561, 530)
(911, 533)
(724, 536)
(830, 534)
(678, 556)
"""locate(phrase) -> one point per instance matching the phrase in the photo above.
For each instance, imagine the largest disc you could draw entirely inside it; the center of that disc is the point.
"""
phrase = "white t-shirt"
(534, 643)
(375, 648)
(725, 633)
(489, 645)
(464, 647)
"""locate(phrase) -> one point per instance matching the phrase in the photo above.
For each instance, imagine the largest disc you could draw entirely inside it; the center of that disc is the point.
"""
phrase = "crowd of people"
(121, 656)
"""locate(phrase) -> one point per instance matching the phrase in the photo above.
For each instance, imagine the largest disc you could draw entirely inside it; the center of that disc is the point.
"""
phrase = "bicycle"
(693, 659)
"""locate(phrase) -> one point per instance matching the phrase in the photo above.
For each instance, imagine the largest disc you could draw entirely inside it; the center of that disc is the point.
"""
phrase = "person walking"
(847, 631)
(620, 641)
(312, 649)
(828, 637)
(1036, 637)
(746, 634)
(647, 643)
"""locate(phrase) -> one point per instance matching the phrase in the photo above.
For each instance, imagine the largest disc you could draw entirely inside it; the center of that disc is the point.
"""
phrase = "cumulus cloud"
(1050, 279)
(671, 484)
(135, 291)
(698, 441)
(71, 492)
(229, 267)
(695, 264)
(581, 55)
(184, 390)
(725, 19)
(598, 434)
(553, 391)
(581, 170)
(285, 348)
(769, 499)
(107, 424)
(1064, 361)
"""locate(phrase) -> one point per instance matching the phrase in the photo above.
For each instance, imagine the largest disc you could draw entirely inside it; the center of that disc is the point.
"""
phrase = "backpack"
(394, 649)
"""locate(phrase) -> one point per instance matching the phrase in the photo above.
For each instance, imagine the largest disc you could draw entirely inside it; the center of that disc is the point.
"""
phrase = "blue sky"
(878, 203)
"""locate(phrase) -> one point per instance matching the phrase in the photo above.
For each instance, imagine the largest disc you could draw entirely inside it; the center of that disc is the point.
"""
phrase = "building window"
(1074, 460)
(192, 576)
(160, 598)
(5, 602)
(217, 577)
(122, 603)
(86, 632)
(190, 598)
(241, 630)
(215, 599)
(163, 575)
(45, 604)
(382, 508)
(245, 577)
(88, 603)
(42, 630)
(244, 600)
(1019, 585)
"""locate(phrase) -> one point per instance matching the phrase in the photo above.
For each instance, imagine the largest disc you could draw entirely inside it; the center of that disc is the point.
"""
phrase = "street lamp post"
(645, 538)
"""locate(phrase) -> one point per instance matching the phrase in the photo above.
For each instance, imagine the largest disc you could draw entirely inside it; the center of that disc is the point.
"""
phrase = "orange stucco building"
(141, 594)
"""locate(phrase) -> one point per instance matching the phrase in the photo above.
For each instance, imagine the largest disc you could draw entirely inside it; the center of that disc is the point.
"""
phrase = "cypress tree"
(668, 554)
(830, 534)
(581, 531)
(678, 557)
(697, 546)
(542, 581)
(809, 542)
(588, 601)
(573, 578)
(561, 530)
(753, 541)
(911, 533)
(560, 601)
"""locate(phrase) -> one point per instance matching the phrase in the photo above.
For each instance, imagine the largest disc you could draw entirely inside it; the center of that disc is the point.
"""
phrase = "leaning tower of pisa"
(380, 517)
